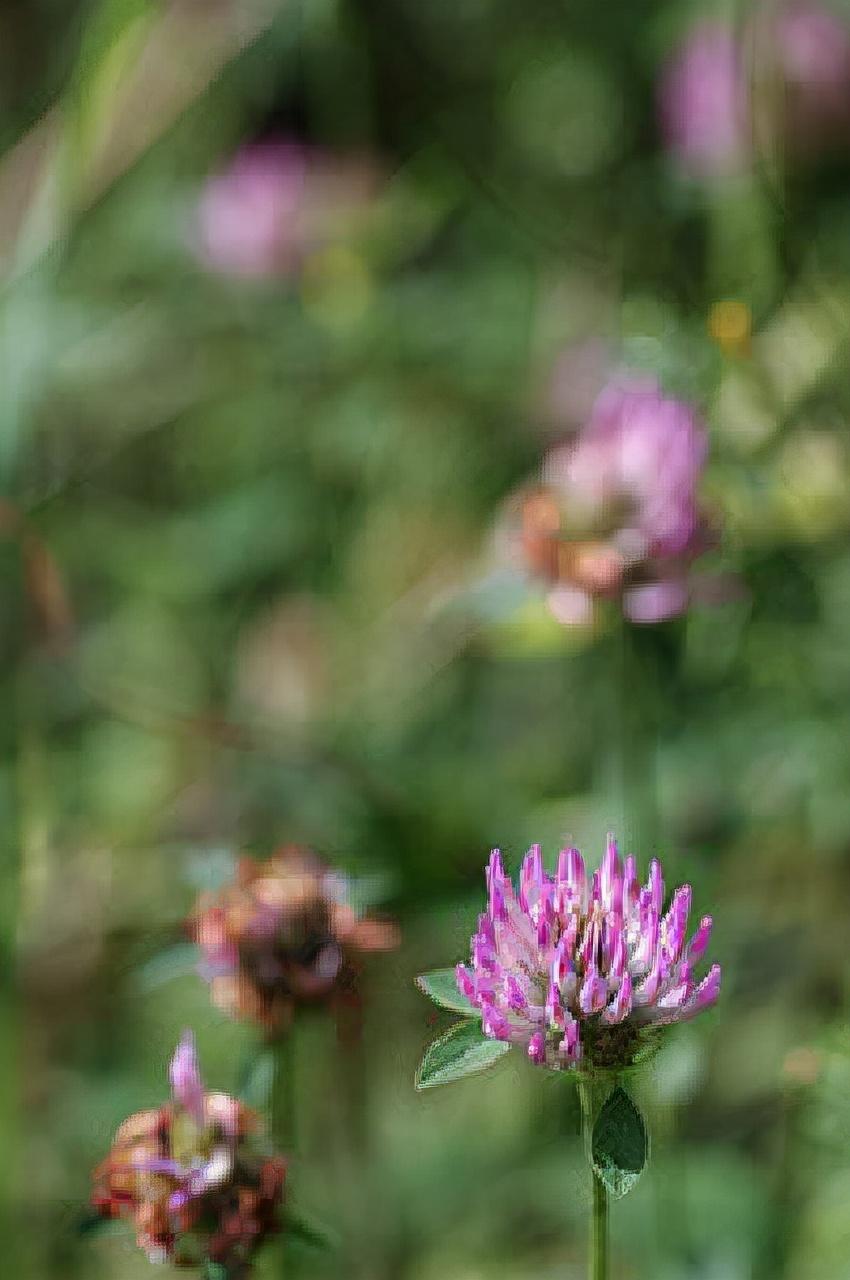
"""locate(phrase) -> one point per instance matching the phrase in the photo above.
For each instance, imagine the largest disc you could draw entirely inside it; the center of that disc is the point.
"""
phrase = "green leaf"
(176, 962)
(257, 1082)
(460, 1052)
(619, 1145)
(300, 1229)
(441, 986)
(87, 1224)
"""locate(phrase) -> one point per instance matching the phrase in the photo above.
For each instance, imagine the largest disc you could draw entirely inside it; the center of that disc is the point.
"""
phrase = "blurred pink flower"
(275, 203)
(248, 213)
(573, 971)
(813, 53)
(617, 515)
(704, 105)
(711, 92)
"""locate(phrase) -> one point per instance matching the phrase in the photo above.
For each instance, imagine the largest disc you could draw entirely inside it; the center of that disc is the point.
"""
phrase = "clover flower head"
(574, 970)
(193, 1175)
(812, 52)
(275, 203)
(718, 96)
(704, 105)
(617, 515)
(248, 213)
(282, 935)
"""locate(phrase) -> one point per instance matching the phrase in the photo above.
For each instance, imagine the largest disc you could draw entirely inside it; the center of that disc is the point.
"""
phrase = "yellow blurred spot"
(336, 287)
(802, 1065)
(730, 324)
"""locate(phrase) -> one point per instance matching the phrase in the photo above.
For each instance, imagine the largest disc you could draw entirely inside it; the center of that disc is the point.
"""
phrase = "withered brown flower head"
(281, 935)
(193, 1176)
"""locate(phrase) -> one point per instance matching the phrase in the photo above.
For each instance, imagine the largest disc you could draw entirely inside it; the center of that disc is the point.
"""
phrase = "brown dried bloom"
(282, 935)
(193, 1176)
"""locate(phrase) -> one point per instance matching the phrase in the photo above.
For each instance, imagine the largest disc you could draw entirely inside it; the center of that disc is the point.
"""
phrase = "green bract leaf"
(86, 1224)
(460, 1052)
(619, 1146)
(257, 1080)
(441, 986)
(178, 961)
(301, 1229)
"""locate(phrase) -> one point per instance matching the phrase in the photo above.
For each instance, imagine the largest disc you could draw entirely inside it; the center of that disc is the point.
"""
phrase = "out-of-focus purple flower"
(573, 970)
(193, 1175)
(704, 104)
(794, 81)
(617, 515)
(812, 50)
(248, 214)
(276, 203)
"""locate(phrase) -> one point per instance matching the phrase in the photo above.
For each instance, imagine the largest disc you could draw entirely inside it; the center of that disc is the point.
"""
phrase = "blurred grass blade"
(460, 1052)
(112, 41)
(141, 65)
(440, 986)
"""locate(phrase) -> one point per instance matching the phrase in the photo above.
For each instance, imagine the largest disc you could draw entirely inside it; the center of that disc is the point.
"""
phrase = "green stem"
(598, 1257)
(639, 742)
(651, 659)
(283, 1096)
(598, 1269)
(282, 1106)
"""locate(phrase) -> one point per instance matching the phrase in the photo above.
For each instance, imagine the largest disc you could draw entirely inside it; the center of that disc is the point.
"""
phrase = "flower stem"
(639, 734)
(283, 1095)
(598, 1257)
(282, 1107)
(598, 1269)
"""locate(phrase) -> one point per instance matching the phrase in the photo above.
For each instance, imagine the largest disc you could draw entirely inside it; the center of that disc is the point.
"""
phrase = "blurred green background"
(253, 592)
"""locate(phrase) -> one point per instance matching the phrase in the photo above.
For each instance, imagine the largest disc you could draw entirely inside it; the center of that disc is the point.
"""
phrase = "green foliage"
(172, 962)
(462, 1051)
(275, 509)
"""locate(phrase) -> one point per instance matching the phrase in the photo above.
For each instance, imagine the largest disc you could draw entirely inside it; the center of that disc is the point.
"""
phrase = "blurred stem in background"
(356, 1156)
(283, 1103)
(650, 660)
(283, 1095)
(23, 885)
(640, 693)
(598, 1240)
(44, 628)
